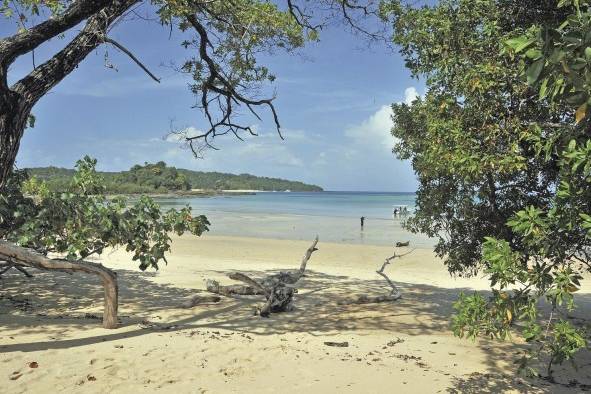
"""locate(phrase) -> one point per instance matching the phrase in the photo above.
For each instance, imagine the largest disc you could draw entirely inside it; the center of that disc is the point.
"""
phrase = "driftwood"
(23, 257)
(278, 289)
(394, 295)
(213, 286)
(337, 344)
(365, 299)
(200, 299)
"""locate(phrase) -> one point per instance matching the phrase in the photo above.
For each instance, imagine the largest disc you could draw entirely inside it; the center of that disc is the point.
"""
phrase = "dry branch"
(131, 56)
(278, 289)
(394, 293)
(244, 278)
(213, 286)
(307, 256)
(200, 299)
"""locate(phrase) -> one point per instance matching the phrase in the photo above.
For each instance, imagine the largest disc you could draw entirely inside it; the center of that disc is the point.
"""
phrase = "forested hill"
(160, 178)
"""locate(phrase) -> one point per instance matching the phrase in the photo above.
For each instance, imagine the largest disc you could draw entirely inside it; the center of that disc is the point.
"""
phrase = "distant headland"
(159, 178)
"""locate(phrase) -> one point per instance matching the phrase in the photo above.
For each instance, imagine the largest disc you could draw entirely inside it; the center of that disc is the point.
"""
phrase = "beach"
(195, 197)
(52, 336)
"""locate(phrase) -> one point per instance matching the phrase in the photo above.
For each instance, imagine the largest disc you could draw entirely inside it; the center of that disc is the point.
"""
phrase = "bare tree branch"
(227, 97)
(132, 56)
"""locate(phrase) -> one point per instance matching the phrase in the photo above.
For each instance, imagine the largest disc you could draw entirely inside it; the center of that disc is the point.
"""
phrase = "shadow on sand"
(58, 305)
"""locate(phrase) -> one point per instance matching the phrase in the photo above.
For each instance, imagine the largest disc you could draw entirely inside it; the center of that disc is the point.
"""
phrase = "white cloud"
(374, 130)
(410, 95)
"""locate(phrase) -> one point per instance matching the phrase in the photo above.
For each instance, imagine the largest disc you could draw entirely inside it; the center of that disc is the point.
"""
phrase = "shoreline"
(205, 193)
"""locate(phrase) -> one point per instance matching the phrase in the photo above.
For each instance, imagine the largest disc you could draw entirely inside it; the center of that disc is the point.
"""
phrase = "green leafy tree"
(81, 222)
(500, 144)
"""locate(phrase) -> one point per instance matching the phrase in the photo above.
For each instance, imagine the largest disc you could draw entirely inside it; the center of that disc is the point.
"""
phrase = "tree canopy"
(80, 222)
(500, 144)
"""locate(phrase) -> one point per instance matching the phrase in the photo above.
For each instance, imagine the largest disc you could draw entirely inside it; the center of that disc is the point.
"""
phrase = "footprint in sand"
(15, 375)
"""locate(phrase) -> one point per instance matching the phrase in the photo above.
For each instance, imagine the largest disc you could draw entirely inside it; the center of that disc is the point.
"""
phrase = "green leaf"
(543, 89)
(533, 72)
(520, 43)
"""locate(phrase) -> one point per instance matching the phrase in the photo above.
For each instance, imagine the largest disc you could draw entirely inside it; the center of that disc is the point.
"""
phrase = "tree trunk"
(13, 119)
(111, 299)
(29, 258)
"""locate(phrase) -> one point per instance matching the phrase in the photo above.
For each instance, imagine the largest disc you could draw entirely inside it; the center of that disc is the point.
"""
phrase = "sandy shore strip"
(230, 191)
(51, 338)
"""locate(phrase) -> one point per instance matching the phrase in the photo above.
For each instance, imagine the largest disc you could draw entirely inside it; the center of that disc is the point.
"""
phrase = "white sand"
(402, 347)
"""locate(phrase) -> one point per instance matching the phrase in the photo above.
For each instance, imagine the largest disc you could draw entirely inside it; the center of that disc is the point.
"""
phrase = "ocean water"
(333, 216)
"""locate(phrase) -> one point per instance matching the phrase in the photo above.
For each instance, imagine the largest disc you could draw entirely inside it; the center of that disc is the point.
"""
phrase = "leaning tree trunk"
(17, 101)
(13, 119)
(29, 258)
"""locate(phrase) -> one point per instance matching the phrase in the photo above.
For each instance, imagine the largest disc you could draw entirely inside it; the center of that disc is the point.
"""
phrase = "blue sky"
(333, 101)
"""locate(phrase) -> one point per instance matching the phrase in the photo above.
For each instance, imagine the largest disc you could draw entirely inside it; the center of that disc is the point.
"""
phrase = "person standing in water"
(362, 221)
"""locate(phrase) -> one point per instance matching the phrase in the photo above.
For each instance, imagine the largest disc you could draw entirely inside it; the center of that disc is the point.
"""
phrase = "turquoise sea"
(334, 216)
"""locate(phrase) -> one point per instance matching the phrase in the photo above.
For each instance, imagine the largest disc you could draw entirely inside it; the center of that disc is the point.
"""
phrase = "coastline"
(222, 347)
(204, 193)
(184, 194)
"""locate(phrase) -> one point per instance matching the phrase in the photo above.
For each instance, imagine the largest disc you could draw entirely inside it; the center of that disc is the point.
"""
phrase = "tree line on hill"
(160, 178)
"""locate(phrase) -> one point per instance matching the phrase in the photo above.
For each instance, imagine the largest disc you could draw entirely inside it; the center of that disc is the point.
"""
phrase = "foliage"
(558, 58)
(160, 178)
(222, 181)
(80, 221)
(501, 147)
(155, 176)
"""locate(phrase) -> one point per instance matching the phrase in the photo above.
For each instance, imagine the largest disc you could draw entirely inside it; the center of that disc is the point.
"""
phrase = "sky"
(333, 101)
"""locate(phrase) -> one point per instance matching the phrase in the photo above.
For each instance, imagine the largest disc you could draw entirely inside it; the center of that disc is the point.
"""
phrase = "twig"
(131, 55)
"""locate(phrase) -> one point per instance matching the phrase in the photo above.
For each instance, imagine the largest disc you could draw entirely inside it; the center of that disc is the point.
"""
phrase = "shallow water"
(334, 216)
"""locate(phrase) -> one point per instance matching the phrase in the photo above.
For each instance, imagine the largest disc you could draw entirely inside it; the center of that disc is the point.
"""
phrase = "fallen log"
(200, 299)
(213, 286)
(365, 299)
(278, 289)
